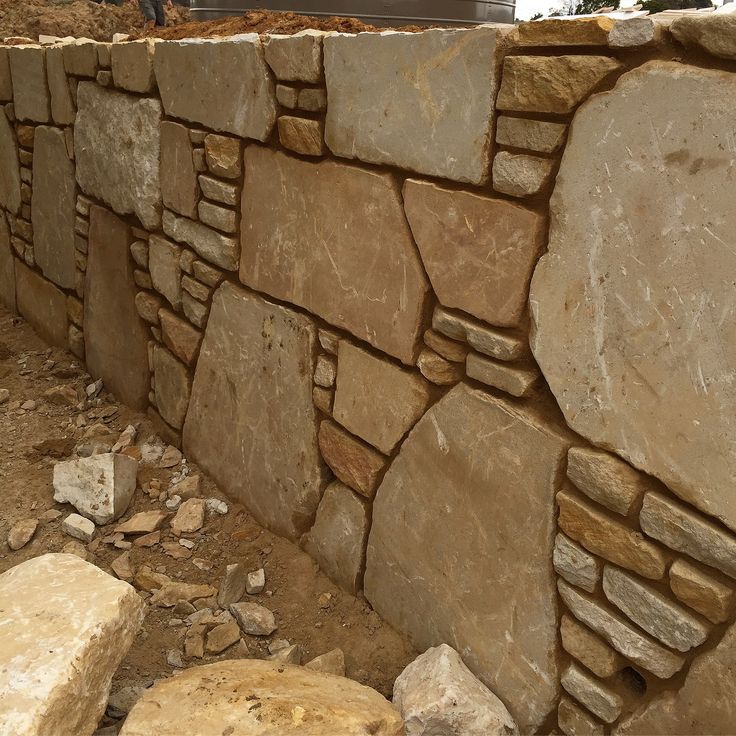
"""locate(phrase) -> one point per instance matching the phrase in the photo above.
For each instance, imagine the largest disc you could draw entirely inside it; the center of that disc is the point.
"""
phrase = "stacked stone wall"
(455, 311)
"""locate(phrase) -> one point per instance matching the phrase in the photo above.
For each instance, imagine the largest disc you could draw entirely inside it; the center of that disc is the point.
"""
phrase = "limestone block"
(514, 380)
(563, 32)
(62, 641)
(219, 249)
(613, 380)
(117, 145)
(132, 65)
(576, 721)
(173, 387)
(119, 356)
(633, 32)
(592, 693)
(6, 84)
(100, 487)
(42, 304)
(219, 191)
(715, 34)
(521, 175)
(357, 216)
(163, 264)
(401, 98)
(474, 462)
(582, 644)
(180, 337)
(574, 564)
(222, 218)
(701, 592)
(468, 242)
(196, 81)
(375, 399)
(178, 176)
(535, 135)
(63, 111)
(437, 693)
(296, 58)
(555, 84)
(302, 135)
(258, 439)
(10, 197)
(31, 97)
(7, 267)
(53, 207)
(219, 698)
(81, 58)
(339, 535)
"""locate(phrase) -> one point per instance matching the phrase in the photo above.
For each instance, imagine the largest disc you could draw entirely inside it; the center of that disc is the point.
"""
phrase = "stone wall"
(455, 311)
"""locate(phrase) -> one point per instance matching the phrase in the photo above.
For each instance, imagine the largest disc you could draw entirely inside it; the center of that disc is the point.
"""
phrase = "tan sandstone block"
(576, 721)
(588, 649)
(148, 305)
(63, 110)
(132, 65)
(514, 380)
(215, 247)
(42, 304)
(178, 176)
(559, 32)
(81, 58)
(438, 370)
(451, 350)
(10, 183)
(701, 592)
(302, 135)
(31, 97)
(592, 693)
(180, 337)
(223, 155)
(521, 175)
(535, 135)
(715, 34)
(163, 264)
(296, 58)
(6, 84)
(221, 218)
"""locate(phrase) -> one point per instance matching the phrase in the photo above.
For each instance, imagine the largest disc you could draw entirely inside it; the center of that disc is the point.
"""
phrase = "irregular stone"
(589, 365)
(338, 204)
(196, 83)
(118, 356)
(208, 244)
(255, 582)
(42, 304)
(21, 533)
(686, 531)
(582, 644)
(375, 399)
(486, 240)
(219, 698)
(81, 58)
(224, 155)
(521, 175)
(556, 84)
(391, 93)
(438, 370)
(194, 641)
(222, 637)
(147, 579)
(232, 587)
(9, 166)
(339, 535)
(287, 96)
(291, 654)
(254, 619)
(78, 527)
(566, 32)
(179, 188)
(187, 488)
(331, 663)
(494, 452)
(62, 641)
(633, 32)
(194, 311)
(312, 100)
(121, 566)
(189, 518)
(220, 191)
(574, 721)
(437, 693)
(132, 65)
(222, 218)
(169, 594)
(534, 135)
(515, 380)
(144, 522)
(574, 564)
(63, 110)
(31, 97)
(448, 349)
(122, 701)
(603, 536)
(196, 289)
(271, 463)
(622, 636)
(7, 266)
(296, 58)
(325, 372)
(715, 34)
(701, 592)
(302, 135)
(148, 305)
(180, 337)
(173, 387)
(117, 146)
(594, 695)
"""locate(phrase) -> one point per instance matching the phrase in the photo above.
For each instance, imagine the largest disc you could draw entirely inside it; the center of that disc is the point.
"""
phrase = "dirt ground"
(309, 609)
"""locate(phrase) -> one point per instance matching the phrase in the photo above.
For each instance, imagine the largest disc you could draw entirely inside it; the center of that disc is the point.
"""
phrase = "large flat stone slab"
(66, 625)
(332, 238)
(7, 267)
(421, 101)
(31, 97)
(9, 166)
(251, 422)
(477, 477)
(42, 304)
(635, 319)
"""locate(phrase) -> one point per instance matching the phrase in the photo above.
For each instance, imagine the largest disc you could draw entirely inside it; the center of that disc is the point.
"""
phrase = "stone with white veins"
(575, 564)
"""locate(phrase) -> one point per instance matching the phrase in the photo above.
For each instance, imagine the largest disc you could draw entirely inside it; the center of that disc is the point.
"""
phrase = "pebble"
(61, 396)
(148, 540)
(254, 619)
(222, 637)
(29, 405)
(216, 506)
(188, 543)
(255, 582)
(126, 439)
(94, 388)
(174, 659)
(331, 663)
(50, 515)
(171, 457)
(173, 503)
(78, 527)
(4, 395)
(21, 533)
(183, 608)
(288, 655)
(122, 567)
(185, 489)
(233, 585)
(277, 644)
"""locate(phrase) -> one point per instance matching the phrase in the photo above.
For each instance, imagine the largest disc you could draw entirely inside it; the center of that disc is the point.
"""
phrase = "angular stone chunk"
(701, 592)
(117, 144)
(476, 476)
(180, 337)
(7, 267)
(296, 58)
(223, 155)
(42, 304)
(173, 387)
(53, 205)
(375, 399)
(9, 167)
(132, 65)
(220, 191)
(512, 380)
(614, 378)
(536, 135)
(575, 721)
(339, 535)
(574, 564)
(634, 32)
(219, 698)
(163, 264)
(258, 439)
(210, 245)
(81, 58)
(479, 252)
(594, 695)
(63, 110)
(400, 99)
(31, 97)
(521, 175)
(563, 32)
(119, 356)
(196, 81)
(715, 34)
(551, 83)
(222, 218)
(588, 649)
(637, 647)
(178, 176)
(302, 135)
(312, 100)
(62, 641)
(314, 234)
(605, 537)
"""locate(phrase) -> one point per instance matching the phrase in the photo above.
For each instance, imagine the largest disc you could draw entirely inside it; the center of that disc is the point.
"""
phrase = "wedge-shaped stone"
(173, 386)
(9, 167)
(392, 93)
(476, 476)
(63, 110)
(332, 238)
(582, 644)
(31, 97)
(515, 380)
(536, 135)
(117, 144)
(593, 694)
(611, 376)
(701, 592)
(196, 81)
(296, 58)
(61, 641)
(42, 304)
(7, 267)
(214, 247)
(715, 34)
(132, 65)
(180, 337)
(163, 264)
(576, 721)
(178, 176)
(479, 252)
(574, 564)
(258, 439)
(622, 636)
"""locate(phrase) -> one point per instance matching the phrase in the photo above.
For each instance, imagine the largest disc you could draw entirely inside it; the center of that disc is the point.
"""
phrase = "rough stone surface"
(42, 304)
(566, 32)
(535, 135)
(232, 588)
(331, 663)
(78, 527)
(220, 191)
(302, 135)
(715, 34)
(633, 32)
(119, 356)
(31, 97)
(576, 721)
(221, 218)
(593, 694)
(521, 175)
(117, 145)
(21, 533)
(7, 267)
(223, 155)
(163, 264)
(438, 370)
(180, 337)
(574, 564)
(700, 591)
(296, 58)
(144, 522)
(62, 641)
(515, 380)
(271, 463)
(80, 57)
(132, 65)
(474, 462)
(196, 81)
(219, 698)
(615, 382)
(479, 252)
(173, 386)
(63, 110)
(178, 176)
(400, 99)
(6, 84)
(254, 619)
(9, 167)
(582, 644)
(314, 234)
(219, 249)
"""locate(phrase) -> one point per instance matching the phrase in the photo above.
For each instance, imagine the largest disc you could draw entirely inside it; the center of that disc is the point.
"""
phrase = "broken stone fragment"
(566, 32)
(574, 564)
(122, 567)
(700, 591)
(255, 582)
(21, 533)
(582, 644)
(233, 585)
(592, 693)
(296, 58)
(302, 135)
(518, 381)
(291, 654)
(576, 721)
(437, 369)
(635, 32)
(535, 135)
(222, 637)
(170, 593)
(190, 517)
(223, 155)
(715, 34)
(521, 175)
(254, 619)
(330, 663)
(77, 526)
(144, 522)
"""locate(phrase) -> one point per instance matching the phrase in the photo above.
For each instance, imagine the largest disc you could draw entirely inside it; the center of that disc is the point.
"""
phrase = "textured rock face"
(478, 479)
(31, 93)
(536, 135)
(117, 143)
(62, 641)
(196, 81)
(399, 98)
(296, 58)
(52, 206)
(9, 167)
(42, 304)
(332, 238)
(7, 267)
(172, 387)
(716, 35)
(258, 439)
(63, 110)
(132, 65)
(611, 368)
(178, 176)
(215, 247)
(479, 252)
(119, 356)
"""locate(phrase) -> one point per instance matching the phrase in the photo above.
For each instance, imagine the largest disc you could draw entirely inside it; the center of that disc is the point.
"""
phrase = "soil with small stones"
(309, 609)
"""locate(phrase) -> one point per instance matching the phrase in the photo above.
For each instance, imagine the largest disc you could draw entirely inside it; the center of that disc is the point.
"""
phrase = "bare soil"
(309, 609)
